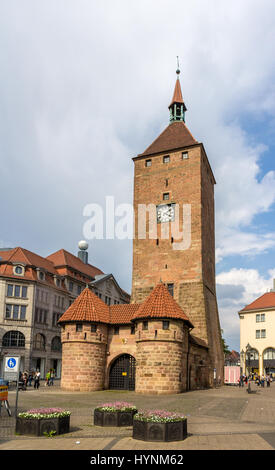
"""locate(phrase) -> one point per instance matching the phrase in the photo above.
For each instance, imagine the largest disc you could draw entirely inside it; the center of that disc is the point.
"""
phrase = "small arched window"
(39, 342)
(56, 344)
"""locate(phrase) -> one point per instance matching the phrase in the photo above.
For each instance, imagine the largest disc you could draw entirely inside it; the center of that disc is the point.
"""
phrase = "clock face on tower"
(165, 213)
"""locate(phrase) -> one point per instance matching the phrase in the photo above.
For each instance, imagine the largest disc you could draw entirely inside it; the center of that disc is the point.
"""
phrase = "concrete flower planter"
(159, 432)
(37, 427)
(113, 418)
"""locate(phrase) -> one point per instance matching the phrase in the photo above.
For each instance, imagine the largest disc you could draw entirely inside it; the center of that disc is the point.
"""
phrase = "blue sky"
(85, 86)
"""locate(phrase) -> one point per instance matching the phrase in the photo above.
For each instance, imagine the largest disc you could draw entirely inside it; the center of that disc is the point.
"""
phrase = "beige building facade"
(257, 336)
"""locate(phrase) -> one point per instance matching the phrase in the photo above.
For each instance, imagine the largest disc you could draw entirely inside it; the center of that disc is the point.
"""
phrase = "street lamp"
(242, 356)
(248, 355)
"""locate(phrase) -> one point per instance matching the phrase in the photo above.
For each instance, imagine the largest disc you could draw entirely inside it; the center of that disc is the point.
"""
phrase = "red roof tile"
(123, 313)
(266, 300)
(160, 304)
(24, 256)
(87, 307)
(175, 136)
(63, 258)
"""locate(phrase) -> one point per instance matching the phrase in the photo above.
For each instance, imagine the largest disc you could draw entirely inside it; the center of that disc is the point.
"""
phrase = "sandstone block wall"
(83, 358)
(160, 358)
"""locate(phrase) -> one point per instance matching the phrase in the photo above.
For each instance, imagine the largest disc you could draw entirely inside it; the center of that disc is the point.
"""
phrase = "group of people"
(259, 380)
(34, 376)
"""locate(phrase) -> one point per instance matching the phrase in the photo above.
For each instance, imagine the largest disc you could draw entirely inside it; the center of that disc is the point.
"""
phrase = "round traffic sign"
(11, 363)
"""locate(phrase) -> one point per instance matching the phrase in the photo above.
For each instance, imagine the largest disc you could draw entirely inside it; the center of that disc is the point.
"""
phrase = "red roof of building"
(266, 300)
(63, 258)
(21, 255)
(160, 304)
(175, 136)
(122, 313)
(87, 307)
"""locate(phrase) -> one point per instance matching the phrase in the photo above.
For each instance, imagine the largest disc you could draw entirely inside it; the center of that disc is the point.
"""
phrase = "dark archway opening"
(123, 373)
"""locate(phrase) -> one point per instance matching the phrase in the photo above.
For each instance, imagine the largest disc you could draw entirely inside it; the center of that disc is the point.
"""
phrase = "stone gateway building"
(168, 340)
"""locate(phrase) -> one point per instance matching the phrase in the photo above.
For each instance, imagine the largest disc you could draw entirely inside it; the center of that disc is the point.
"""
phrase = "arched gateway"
(123, 373)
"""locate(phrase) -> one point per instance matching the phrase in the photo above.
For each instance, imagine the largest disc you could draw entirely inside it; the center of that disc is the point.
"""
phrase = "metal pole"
(17, 385)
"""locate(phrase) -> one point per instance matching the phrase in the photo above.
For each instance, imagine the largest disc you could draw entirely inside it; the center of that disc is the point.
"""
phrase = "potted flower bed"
(159, 425)
(43, 421)
(118, 413)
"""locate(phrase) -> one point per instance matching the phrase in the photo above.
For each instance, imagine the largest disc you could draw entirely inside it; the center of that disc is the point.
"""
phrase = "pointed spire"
(177, 107)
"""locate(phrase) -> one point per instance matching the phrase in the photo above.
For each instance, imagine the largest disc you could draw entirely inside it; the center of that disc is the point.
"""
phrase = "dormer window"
(18, 270)
(41, 276)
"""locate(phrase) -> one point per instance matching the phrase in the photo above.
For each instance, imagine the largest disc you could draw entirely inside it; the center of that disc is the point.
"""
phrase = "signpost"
(11, 373)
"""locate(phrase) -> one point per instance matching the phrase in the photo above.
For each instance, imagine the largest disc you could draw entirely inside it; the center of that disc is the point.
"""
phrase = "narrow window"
(15, 312)
(262, 316)
(258, 318)
(116, 330)
(166, 196)
(258, 334)
(93, 328)
(78, 327)
(166, 183)
(17, 291)
(145, 325)
(184, 155)
(170, 288)
(23, 312)
(24, 292)
(133, 330)
(165, 325)
(157, 241)
(263, 333)
(8, 310)
(10, 290)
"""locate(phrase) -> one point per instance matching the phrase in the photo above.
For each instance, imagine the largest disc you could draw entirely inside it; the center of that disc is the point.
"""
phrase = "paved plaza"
(227, 418)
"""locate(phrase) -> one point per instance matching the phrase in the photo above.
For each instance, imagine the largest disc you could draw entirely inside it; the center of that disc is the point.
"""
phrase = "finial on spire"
(178, 69)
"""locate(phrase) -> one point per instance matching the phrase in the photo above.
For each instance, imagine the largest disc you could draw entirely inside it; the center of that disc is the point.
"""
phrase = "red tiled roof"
(63, 258)
(266, 300)
(24, 256)
(123, 313)
(87, 307)
(177, 97)
(160, 304)
(175, 136)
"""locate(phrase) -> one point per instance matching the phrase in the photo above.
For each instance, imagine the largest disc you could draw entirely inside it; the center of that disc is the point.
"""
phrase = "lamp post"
(248, 356)
(242, 356)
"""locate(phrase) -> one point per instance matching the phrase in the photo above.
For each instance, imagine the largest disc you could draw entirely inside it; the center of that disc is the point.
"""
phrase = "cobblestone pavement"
(227, 418)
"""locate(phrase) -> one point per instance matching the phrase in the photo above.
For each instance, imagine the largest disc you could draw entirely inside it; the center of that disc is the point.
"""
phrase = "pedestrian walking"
(30, 378)
(37, 379)
(48, 376)
(52, 375)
